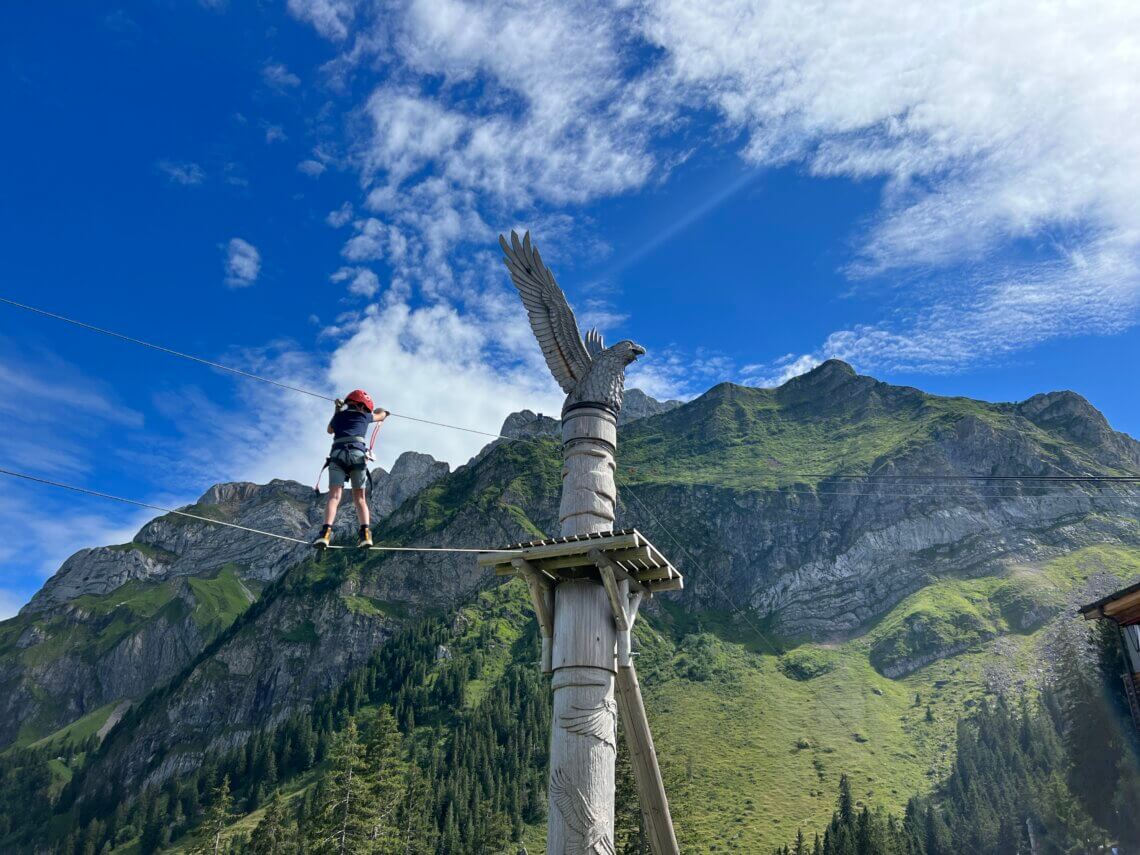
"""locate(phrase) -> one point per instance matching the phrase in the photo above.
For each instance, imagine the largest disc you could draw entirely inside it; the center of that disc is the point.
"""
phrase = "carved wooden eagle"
(590, 832)
(588, 371)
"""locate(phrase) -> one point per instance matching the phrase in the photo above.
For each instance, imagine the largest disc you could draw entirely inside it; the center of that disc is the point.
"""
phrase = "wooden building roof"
(1122, 606)
(560, 559)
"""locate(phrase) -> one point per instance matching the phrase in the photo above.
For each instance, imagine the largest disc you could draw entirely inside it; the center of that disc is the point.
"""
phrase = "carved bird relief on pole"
(588, 371)
(599, 722)
(590, 828)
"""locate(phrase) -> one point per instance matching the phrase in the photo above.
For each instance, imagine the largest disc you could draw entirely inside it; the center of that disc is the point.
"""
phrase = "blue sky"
(312, 189)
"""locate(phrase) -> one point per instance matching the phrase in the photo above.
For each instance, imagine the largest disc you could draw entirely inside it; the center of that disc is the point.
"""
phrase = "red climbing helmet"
(359, 396)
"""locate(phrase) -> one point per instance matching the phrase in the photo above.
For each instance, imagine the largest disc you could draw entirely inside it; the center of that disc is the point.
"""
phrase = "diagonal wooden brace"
(624, 605)
(542, 598)
(646, 771)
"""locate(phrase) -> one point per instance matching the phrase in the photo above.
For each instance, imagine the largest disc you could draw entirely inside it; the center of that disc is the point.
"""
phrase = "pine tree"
(343, 819)
(846, 803)
(271, 837)
(386, 772)
(154, 826)
(416, 829)
(218, 820)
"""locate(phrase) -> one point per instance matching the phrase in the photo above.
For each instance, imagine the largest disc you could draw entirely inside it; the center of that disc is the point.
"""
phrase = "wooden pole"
(583, 737)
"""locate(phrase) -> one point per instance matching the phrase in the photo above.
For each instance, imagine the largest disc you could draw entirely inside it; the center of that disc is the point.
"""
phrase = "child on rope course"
(348, 461)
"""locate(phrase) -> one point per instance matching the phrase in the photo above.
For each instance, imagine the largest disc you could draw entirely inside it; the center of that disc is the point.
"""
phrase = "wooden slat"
(1124, 608)
(555, 566)
(652, 574)
(577, 547)
(584, 560)
(631, 555)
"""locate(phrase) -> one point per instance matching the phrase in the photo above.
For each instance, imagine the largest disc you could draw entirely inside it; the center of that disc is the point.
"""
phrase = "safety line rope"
(232, 370)
(693, 564)
(1123, 479)
(100, 495)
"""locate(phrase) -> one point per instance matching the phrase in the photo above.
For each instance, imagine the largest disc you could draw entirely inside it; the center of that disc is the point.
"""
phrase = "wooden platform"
(629, 553)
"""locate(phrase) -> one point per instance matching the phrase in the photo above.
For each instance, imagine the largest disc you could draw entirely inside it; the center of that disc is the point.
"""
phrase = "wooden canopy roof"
(562, 559)
(1122, 606)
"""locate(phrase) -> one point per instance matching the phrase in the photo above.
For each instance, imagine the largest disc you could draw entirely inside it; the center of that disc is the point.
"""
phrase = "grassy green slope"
(742, 437)
(753, 734)
(752, 752)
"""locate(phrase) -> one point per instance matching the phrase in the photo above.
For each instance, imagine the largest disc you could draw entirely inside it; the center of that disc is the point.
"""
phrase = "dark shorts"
(348, 464)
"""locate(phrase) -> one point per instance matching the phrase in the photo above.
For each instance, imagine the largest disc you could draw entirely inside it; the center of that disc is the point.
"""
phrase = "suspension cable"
(246, 374)
(200, 518)
(1123, 479)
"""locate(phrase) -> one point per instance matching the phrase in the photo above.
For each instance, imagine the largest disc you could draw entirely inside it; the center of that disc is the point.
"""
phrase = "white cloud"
(779, 371)
(675, 373)
(600, 313)
(374, 240)
(60, 523)
(37, 383)
(330, 18)
(995, 128)
(234, 175)
(434, 362)
(310, 167)
(362, 281)
(274, 133)
(184, 173)
(278, 77)
(992, 124)
(243, 263)
(341, 216)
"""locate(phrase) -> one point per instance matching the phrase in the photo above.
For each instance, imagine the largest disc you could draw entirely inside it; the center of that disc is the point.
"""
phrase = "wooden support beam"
(646, 771)
(606, 569)
(635, 605)
(538, 587)
(542, 599)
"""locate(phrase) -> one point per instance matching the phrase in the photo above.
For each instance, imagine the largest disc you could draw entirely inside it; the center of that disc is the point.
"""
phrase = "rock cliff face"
(743, 478)
(637, 405)
(115, 622)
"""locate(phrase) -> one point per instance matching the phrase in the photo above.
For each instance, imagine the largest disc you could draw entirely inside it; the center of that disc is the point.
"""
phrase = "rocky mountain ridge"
(739, 475)
(115, 622)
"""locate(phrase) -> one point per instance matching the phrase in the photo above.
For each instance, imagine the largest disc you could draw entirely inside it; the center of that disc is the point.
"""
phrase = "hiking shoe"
(322, 541)
(365, 541)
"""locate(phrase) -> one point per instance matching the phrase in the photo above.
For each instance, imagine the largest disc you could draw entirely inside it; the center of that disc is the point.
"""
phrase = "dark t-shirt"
(350, 423)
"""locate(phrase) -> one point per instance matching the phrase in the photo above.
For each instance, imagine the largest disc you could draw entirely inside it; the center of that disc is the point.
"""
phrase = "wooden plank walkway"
(629, 554)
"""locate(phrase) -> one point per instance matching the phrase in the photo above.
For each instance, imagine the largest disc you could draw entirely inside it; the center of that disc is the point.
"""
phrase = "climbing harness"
(369, 457)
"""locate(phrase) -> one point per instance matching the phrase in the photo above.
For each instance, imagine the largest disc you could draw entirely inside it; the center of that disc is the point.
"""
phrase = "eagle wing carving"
(595, 344)
(590, 829)
(550, 315)
(599, 722)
